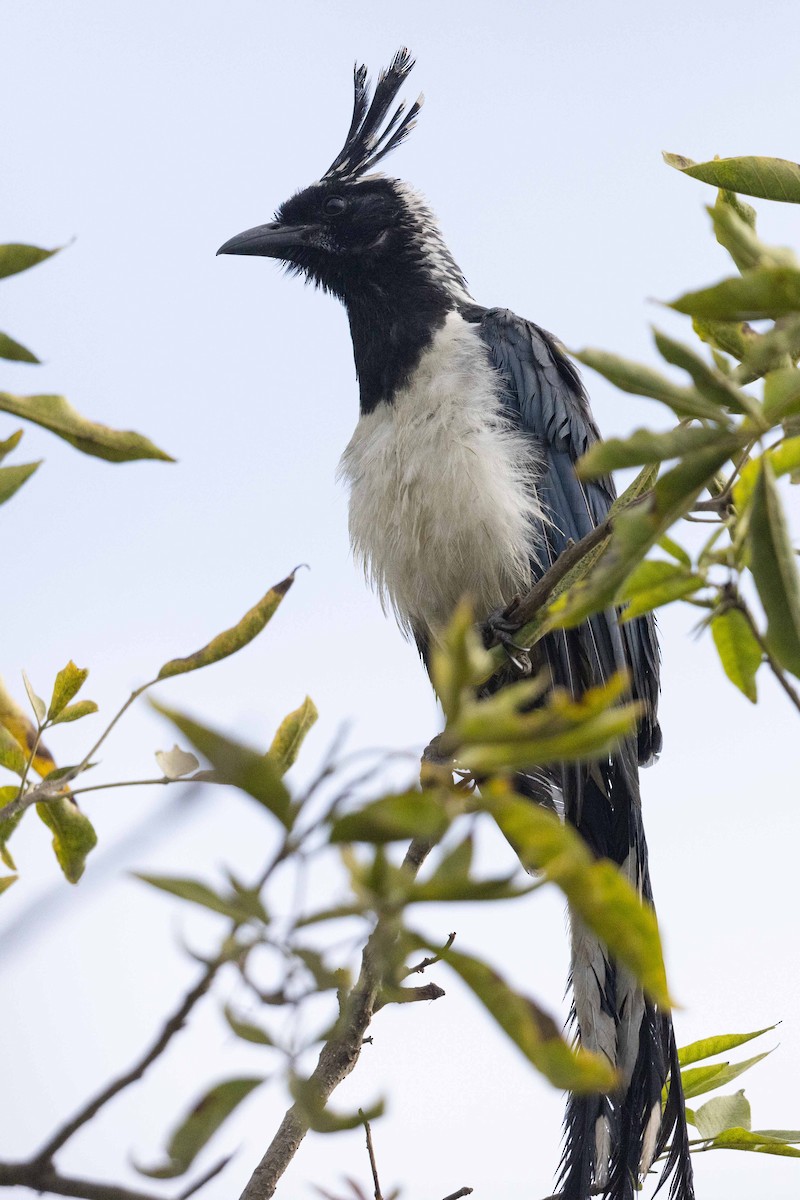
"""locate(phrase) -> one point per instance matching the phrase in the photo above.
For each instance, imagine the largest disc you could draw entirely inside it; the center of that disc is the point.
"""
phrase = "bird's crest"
(366, 143)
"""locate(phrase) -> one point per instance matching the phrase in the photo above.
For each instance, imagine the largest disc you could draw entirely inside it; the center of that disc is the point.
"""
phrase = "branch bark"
(338, 1056)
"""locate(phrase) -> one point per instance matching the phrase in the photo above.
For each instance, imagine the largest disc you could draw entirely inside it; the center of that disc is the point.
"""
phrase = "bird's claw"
(499, 629)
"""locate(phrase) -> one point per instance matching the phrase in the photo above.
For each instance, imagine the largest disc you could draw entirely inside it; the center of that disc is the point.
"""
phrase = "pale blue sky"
(150, 133)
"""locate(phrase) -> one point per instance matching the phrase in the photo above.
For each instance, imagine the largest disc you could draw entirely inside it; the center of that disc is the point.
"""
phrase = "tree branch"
(43, 1177)
(338, 1056)
(172, 1026)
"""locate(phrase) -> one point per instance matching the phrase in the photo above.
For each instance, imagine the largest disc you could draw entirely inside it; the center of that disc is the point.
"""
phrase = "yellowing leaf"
(12, 478)
(718, 1044)
(738, 649)
(15, 256)
(227, 643)
(69, 681)
(57, 415)
(291, 734)
(596, 890)
(73, 835)
(532, 1030)
(14, 351)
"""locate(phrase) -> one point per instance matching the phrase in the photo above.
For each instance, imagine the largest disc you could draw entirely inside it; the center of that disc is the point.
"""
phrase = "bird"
(461, 472)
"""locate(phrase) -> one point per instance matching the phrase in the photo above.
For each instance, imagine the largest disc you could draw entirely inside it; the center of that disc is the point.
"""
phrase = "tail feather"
(612, 1141)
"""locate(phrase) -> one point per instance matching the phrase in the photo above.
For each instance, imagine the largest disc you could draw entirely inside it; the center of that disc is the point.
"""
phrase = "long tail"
(612, 1141)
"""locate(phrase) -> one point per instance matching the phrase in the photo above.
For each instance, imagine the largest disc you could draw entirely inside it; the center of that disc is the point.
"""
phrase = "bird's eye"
(334, 205)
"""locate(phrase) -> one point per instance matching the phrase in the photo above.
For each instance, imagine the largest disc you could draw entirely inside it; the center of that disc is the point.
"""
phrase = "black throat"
(393, 320)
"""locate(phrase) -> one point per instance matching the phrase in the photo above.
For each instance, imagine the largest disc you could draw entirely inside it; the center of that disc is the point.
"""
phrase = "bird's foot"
(499, 629)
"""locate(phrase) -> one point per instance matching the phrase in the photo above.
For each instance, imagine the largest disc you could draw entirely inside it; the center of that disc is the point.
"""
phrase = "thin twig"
(172, 1026)
(434, 958)
(774, 666)
(337, 1057)
(371, 1153)
(457, 1195)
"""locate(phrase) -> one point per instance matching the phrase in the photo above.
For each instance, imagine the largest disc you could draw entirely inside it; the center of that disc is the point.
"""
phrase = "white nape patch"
(443, 266)
(442, 488)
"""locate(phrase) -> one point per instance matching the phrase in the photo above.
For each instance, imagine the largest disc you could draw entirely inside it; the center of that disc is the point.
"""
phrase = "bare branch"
(338, 1056)
(172, 1026)
(434, 958)
(42, 1177)
(371, 1153)
(461, 1192)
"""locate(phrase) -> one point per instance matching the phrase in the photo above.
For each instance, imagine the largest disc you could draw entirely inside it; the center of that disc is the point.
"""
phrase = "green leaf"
(6, 882)
(784, 460)
(671, 547)
(697, 1080)
(762, 292)
(781, 394)
(640, 380)
(774, 568)
(322, 1119)
(14, 351)
(238, 765)
(738, 649)
(710, 382)
(639, 527)
(719, 1044)
(69, 681)
(458, 661)
(411, 814)
(324, 977)
(233, 639)
(532, 1030)
(761, 1143)
(196, 892)
(734, 337)
(12, 478)
(11, 754)
(774, 349)
(769, 178)
(73, 835)
(10, 444)
(655, 583)
(200, 1125)
(15, 257)
(723, 1112)
(737, 234)
(57, 415)
(247, 1031)
(596, 890)
(74, 712)
(7, 826)
(37, 704)
(291, 734)
(644, 446)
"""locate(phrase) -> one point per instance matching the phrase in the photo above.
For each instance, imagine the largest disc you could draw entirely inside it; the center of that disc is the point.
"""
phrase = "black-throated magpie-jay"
(461, 477)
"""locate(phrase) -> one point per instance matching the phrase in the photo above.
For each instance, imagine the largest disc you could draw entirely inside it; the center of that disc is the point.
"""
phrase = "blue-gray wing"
(543, 391)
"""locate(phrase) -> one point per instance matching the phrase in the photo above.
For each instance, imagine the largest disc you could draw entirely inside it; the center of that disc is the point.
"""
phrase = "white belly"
(442, 488)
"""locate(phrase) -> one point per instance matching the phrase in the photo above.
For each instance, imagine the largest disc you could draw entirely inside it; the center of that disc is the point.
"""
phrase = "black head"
(355, 233)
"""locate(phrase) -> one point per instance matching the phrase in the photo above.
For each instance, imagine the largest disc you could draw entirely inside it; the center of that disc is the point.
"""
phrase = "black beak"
(269, 241)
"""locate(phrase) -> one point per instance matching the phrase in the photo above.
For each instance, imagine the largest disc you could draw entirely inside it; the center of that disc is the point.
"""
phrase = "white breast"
(442, 488)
